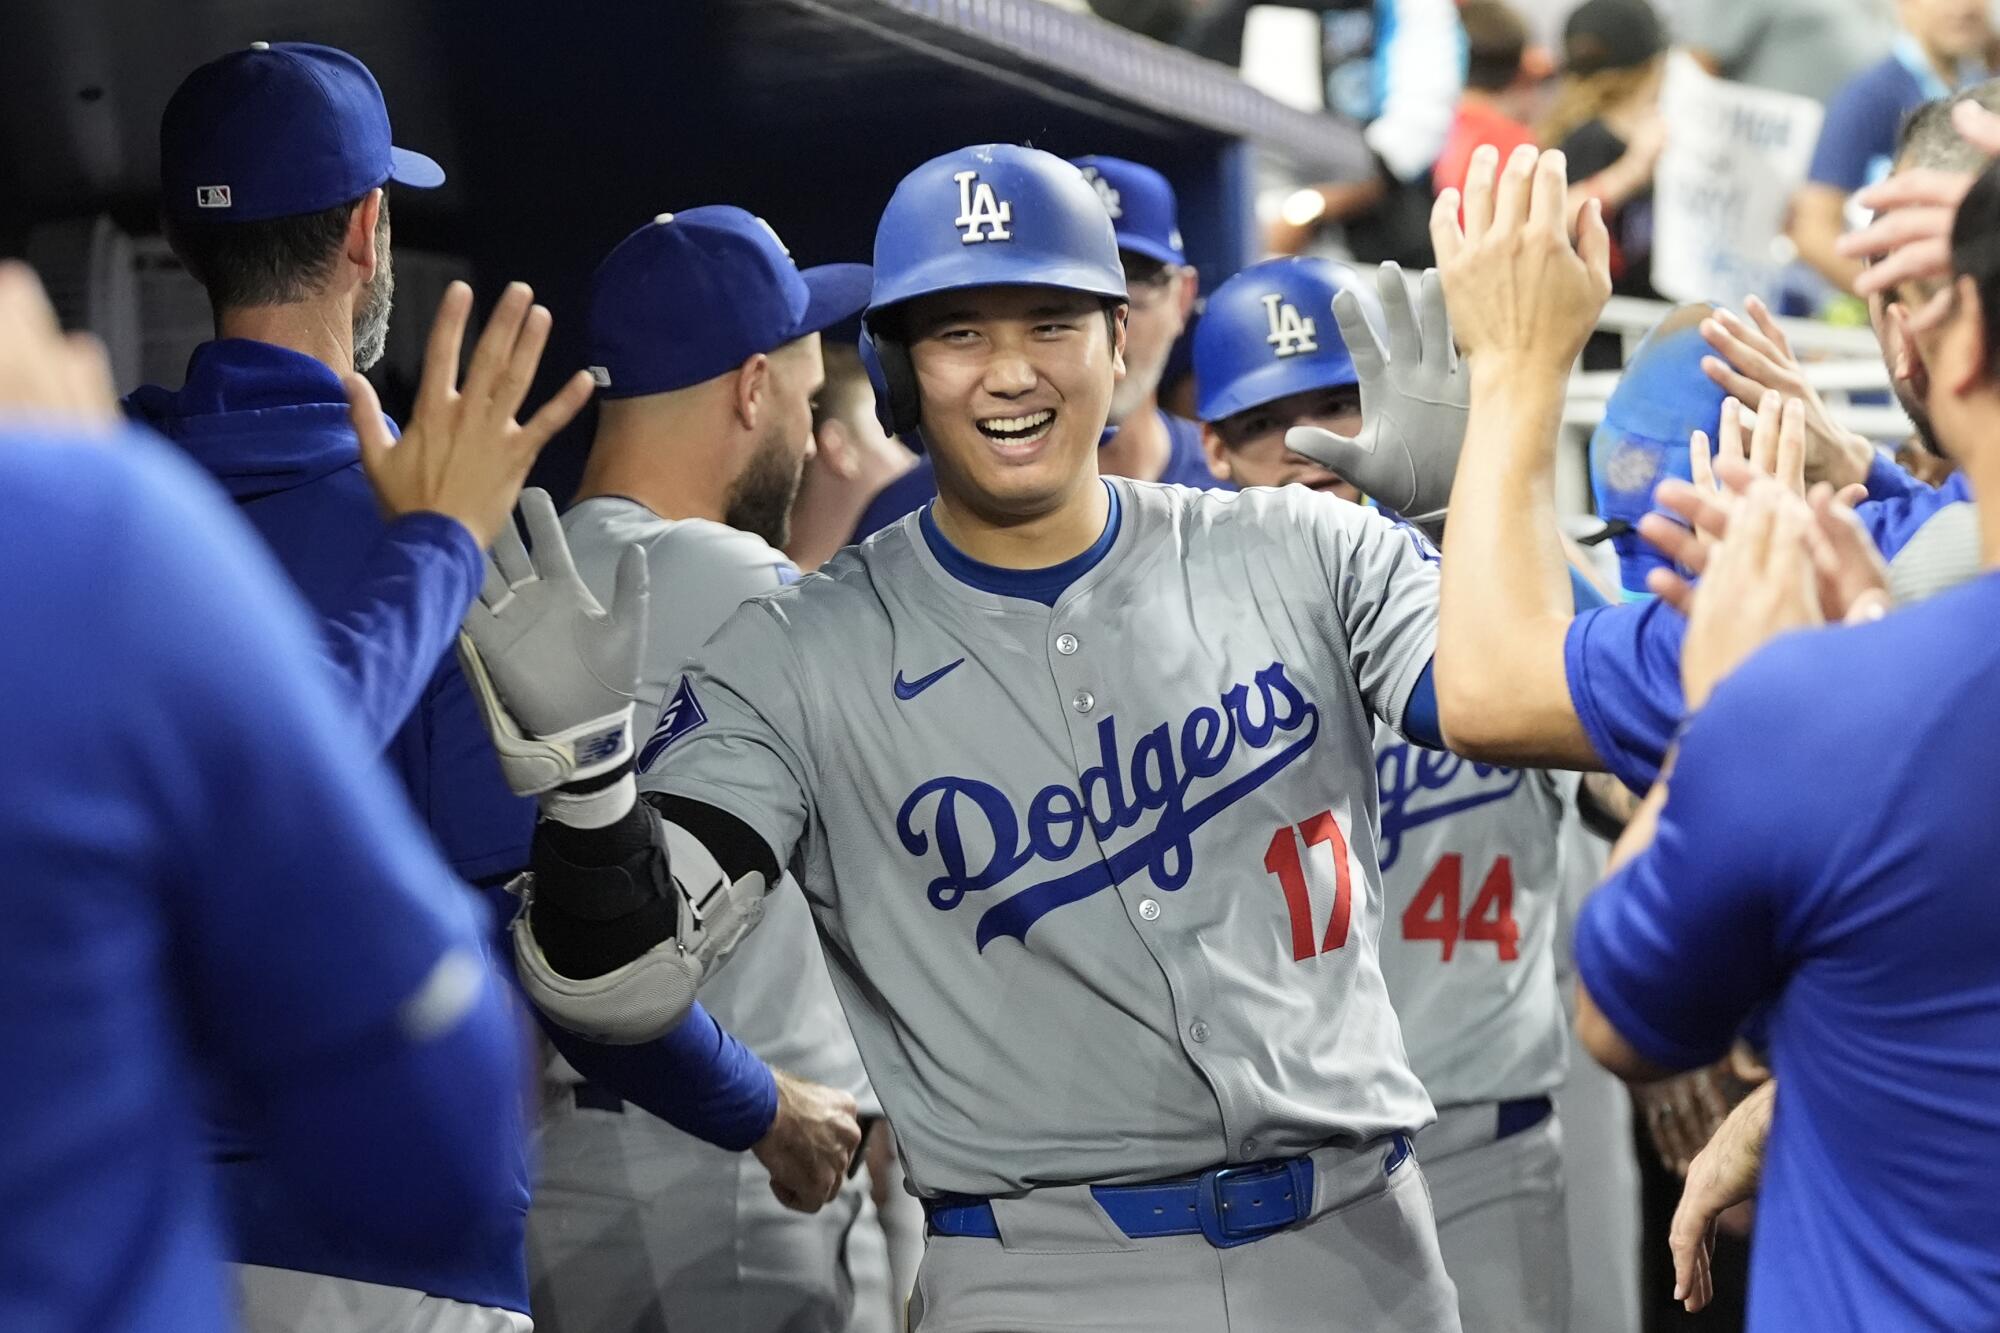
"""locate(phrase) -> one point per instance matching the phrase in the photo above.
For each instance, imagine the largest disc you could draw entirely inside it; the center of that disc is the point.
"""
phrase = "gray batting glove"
(554, 675)
(1414, 404)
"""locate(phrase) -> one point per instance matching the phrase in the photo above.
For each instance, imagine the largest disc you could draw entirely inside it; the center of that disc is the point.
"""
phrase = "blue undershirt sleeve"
(1420, 714)
(697, 1077)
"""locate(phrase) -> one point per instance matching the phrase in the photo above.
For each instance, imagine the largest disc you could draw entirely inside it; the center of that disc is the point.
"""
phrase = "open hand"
(1753, 357)
(1910, 237)
(1414, 404)
(1759, 583)
(463, 455)
(1517, 289)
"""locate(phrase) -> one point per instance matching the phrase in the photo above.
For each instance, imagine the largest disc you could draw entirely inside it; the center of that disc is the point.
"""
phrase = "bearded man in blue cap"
(274, 162)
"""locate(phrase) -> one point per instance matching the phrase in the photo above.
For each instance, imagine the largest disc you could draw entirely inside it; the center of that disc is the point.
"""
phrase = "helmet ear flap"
(894, 380)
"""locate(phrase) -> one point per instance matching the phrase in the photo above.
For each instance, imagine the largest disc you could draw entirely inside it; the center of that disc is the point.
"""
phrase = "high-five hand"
(1517, 288)
(463, 455)
(1413, 404)
(554, 674)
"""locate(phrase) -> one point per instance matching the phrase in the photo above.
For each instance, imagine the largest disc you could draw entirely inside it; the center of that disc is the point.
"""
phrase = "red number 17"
(1282, 859)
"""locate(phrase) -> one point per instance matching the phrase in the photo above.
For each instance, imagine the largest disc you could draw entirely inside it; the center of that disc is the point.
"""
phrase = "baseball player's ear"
(836, 448)
(1214, 454)
(1970, 317)
(359, 243)
(1119, 314)
(753, 382)
(1190, 291)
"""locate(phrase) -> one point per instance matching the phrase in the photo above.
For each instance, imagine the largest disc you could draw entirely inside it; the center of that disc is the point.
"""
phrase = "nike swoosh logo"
(910, 689)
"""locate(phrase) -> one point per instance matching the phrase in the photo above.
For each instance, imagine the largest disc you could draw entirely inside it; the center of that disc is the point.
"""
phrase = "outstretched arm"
(631, 903)
(447, 485)
(1523, 299)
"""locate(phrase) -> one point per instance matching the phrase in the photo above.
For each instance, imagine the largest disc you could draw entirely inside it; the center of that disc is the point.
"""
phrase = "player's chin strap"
(646, 997)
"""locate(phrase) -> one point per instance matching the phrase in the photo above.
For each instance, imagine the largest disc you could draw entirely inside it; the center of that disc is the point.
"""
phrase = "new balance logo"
(1114, 203)
(1291, 333)
(907, 690)
(212, 196)
(981, 215)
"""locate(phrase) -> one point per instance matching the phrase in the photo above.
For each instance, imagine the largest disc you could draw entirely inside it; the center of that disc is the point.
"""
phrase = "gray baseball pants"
(1367, 1260)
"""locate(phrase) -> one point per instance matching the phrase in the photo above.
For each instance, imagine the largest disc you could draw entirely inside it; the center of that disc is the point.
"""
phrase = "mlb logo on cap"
(1141, 204)
(280, 130)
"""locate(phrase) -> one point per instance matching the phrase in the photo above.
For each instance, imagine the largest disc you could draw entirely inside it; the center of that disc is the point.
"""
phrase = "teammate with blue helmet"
(1268, 356)
(1088, 827)
(1470, 873)
(1661, 400)
(1144, 441)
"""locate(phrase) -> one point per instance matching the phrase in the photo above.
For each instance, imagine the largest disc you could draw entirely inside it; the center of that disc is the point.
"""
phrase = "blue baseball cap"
(279, 130)
(696, 293)
(1662, 398)
(1143, 211)
(1269, 332)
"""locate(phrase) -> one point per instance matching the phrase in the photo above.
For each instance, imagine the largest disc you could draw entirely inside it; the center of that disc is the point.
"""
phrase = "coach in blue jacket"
(273, 165)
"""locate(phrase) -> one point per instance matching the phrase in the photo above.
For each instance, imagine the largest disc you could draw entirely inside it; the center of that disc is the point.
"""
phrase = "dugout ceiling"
(565, 123)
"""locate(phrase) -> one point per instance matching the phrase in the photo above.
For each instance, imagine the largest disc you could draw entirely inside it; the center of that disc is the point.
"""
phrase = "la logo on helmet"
(981, 215)
(1114, 203)
(1291, 333)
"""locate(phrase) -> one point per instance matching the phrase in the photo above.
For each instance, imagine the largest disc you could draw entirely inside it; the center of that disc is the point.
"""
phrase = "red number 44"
(1283, 859)
(1433, 914)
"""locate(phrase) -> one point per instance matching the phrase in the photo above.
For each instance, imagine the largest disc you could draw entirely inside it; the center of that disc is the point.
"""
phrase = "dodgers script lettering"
(1158, 779)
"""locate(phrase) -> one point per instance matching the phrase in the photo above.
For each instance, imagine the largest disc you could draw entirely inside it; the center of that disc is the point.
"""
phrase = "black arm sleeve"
(605, 896)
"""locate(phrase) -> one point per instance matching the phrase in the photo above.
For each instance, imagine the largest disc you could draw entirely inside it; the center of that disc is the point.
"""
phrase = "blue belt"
(1524, 1114)
(1227, 1205)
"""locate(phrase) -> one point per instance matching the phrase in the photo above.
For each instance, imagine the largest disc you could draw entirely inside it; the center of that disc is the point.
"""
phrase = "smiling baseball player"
(1077, 777)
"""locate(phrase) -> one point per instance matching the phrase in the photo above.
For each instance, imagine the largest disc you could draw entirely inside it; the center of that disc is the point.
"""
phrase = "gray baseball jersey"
(1472, 879)
(1097, 881)
(774, 994)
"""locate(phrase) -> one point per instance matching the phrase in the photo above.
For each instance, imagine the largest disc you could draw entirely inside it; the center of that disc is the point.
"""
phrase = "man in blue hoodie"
(273, 163)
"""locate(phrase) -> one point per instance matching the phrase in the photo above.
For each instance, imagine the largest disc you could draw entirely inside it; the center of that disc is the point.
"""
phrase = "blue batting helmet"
(1662, 398)
(1269, 332)
(994, 215)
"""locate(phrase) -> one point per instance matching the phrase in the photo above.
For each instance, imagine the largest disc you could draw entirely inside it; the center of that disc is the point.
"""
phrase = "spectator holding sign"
(1944, 45)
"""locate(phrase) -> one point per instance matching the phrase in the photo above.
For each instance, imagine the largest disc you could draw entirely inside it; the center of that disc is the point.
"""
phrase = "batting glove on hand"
(1414, 404)
(555, 676)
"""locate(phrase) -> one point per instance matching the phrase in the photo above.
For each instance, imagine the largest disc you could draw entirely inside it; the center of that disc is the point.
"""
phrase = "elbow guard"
(645, 997)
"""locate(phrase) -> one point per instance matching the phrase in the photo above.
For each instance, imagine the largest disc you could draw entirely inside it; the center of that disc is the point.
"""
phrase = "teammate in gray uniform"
(1471, 874)
(1077, 778)
(704, 340)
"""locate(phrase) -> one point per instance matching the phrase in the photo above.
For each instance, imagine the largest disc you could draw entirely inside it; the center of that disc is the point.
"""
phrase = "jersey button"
(1066, 644)
(1149, 909)
(1198, 1030)
(1084, 701)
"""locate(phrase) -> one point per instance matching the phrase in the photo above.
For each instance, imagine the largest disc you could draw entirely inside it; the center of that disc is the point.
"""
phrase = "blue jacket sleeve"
(402, 618)
(335, 968)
